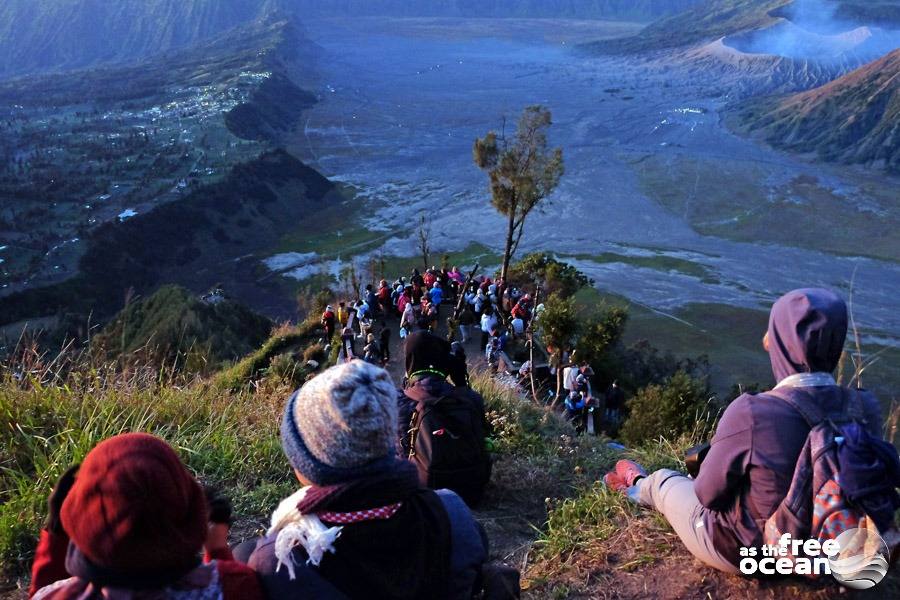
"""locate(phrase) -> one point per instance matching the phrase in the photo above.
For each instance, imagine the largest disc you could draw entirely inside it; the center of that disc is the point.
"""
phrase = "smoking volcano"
(848, 48)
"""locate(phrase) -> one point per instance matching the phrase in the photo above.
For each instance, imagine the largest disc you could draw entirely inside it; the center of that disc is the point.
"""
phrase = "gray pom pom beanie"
(342, 425)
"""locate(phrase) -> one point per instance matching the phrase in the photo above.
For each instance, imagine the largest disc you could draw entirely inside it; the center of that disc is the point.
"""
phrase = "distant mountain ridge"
(53, 35)
(854, 119)
(638, 10)
(40, 36)
(709, 20)
(704, 22)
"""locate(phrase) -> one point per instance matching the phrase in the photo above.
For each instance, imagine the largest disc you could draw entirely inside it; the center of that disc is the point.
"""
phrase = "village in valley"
(68, 165)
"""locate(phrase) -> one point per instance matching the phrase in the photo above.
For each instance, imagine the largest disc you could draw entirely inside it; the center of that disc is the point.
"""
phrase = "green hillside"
(174, 328)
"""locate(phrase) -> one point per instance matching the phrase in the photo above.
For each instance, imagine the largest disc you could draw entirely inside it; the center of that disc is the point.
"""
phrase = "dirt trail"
(514, 505)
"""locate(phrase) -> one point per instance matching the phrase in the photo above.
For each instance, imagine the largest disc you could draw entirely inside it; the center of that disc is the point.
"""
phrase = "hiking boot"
(614, 482)
(629, 471)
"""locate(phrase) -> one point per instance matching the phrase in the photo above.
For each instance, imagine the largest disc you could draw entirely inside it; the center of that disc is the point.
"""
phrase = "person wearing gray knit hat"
(341, 425)
(362, 525)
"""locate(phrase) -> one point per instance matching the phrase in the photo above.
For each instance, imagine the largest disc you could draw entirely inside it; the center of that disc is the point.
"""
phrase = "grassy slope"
(174, 323)
(727, 199)
(543, 511)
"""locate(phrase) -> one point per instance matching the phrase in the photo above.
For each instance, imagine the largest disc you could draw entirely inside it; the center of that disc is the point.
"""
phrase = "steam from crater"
(812, 31)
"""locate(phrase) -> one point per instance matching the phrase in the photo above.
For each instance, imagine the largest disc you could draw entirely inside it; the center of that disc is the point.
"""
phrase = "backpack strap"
(811, 413)
(851, 406)
(853, 409)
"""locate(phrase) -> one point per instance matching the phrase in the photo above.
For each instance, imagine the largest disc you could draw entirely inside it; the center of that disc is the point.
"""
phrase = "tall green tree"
(523, 171)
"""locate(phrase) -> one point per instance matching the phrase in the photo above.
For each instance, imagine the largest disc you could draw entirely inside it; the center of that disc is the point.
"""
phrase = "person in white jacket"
(489, 323)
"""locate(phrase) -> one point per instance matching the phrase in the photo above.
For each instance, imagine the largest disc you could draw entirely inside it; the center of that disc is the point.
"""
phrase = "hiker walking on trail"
(466, 321)
(361, 523)
(384, 298)
(417, 284)
(522, 310)
(371, 298)
(442, 428)
(347, 352)
(329, 322)
(760, 450)
(342, 315)
(408, 319)
(384, 339)
(489, 323)
(404, 299)
(105, 538)
(437, 296)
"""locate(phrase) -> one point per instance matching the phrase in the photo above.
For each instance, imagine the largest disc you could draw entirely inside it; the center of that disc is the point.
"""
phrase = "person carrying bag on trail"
(442, 428)
(361, 525)
(760, 478)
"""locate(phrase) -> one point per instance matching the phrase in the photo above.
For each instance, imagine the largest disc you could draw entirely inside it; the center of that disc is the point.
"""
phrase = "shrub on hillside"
(552, 275)
(668, 410)
(642, 364)
(284, 339)
(315, 352)
(599, 341)
(285, 368)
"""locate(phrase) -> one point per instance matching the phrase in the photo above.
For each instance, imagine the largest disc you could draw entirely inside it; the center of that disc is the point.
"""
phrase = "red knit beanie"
(135, 508)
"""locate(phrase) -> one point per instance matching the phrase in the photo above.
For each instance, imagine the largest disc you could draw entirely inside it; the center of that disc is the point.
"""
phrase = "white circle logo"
(862, 560)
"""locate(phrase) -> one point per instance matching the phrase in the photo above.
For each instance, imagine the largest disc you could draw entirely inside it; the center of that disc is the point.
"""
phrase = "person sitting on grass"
(751, 460)
(361, 520)
(130, 523)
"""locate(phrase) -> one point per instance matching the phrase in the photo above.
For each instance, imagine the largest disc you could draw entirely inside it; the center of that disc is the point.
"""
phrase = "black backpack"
(447, 445)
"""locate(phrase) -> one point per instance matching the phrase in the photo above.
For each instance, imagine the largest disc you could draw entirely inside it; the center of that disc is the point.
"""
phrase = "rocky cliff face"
(53, 35)
(854, 119)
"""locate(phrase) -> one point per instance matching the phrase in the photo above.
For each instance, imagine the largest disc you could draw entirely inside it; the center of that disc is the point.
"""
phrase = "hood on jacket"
(807, 329)
(426, 351)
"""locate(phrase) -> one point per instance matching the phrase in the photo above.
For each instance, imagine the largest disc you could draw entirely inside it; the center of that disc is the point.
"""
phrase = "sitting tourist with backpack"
(130, 522)
(362, 523)
(442, 428)
(760, 479)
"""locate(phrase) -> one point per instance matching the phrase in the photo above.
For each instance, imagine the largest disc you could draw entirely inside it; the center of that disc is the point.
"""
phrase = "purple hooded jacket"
(749, 467)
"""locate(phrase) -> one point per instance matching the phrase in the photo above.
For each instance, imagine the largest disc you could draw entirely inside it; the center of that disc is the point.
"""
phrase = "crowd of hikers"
(482, 308)
(479, 305)
(387, 478)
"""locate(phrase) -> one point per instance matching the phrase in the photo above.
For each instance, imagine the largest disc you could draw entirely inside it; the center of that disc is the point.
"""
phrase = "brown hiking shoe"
(629, 471)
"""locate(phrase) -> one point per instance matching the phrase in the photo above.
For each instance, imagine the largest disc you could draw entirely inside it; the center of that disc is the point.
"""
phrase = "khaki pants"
(672, 494)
